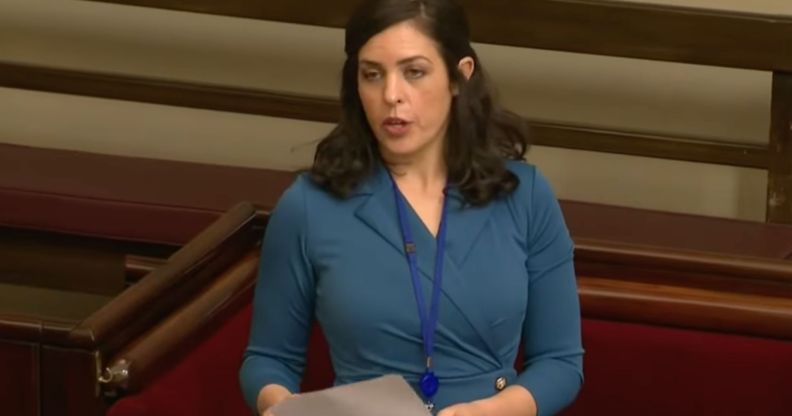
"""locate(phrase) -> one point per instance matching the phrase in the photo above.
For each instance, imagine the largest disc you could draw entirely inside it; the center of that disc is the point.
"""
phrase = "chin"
(398, 150)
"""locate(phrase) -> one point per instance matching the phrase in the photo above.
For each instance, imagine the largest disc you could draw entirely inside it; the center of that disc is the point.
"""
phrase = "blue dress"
(508, 276)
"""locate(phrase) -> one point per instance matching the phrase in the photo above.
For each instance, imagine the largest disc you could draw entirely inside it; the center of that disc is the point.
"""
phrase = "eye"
(370, 74)
(414, 73)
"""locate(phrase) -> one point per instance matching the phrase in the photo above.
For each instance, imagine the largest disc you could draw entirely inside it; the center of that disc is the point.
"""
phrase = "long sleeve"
(551, 332)
(283, 303)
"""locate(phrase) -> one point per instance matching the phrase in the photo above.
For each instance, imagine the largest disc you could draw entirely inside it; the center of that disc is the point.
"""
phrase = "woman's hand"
(513, 401)
(269, 396)
(477, 408)
(268, 411)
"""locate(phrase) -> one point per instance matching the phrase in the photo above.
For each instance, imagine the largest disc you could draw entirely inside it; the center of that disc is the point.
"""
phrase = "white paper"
(383, 396)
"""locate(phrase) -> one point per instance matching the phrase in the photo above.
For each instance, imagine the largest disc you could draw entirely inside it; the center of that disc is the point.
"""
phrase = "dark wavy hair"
(480, 135)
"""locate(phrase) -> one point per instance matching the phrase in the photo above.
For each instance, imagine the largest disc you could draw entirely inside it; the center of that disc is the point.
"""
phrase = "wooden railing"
(611, 28)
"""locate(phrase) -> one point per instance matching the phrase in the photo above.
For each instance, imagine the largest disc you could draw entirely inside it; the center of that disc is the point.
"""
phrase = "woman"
(419, 241)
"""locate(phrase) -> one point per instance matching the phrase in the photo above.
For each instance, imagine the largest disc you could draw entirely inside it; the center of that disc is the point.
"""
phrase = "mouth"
(396, 127)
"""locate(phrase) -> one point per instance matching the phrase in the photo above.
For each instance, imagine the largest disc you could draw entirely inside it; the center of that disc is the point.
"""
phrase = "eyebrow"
(400, 62)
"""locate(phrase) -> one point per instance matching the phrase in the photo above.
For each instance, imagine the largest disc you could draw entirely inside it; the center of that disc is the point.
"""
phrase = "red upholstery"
(645, 370)
(630, 370)
(202, 382)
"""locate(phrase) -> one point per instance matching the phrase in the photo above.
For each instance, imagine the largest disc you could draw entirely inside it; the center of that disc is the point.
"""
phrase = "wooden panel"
(72, 263)
(639, 144)
(685, 307)
(722, 292)
(332, 14)
(161, 91)
(720, 38)
(19, 379)
(694, 269)
(69, 386)
(779, 192)
(133, 220)
(138, 267)
(654, 32)
(118, 179)
(276, 104)
(50, 304)
(694, 233)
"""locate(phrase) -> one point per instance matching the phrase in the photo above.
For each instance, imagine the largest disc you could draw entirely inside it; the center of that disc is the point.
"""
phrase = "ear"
(466, 66)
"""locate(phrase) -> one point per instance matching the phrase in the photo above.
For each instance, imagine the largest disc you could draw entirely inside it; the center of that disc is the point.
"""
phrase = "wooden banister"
(184, 274)
(132, 367)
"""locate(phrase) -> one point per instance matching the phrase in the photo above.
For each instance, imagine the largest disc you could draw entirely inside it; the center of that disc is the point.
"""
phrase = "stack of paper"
(384, 396)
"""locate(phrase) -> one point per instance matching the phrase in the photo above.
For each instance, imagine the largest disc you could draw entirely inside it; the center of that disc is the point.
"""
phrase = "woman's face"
(404, 87)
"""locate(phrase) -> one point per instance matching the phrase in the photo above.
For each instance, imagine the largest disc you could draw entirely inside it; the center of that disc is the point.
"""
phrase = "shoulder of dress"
(525, 171)
(526, 175)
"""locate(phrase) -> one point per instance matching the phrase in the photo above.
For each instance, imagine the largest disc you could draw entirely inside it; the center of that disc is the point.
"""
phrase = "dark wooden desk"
(70, 305)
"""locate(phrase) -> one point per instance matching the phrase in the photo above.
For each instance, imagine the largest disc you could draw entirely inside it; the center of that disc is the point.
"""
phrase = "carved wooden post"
(779, 184)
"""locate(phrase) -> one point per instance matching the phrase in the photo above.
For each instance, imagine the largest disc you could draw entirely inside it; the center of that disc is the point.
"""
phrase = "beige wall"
(751, 6)
(659, 97)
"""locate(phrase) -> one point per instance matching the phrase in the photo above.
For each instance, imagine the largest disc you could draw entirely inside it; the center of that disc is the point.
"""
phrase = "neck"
(425, 175)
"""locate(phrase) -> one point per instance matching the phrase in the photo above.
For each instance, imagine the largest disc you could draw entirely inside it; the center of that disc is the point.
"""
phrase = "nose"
(394, 91)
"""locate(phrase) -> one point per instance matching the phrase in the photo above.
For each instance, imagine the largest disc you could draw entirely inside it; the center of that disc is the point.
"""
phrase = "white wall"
(659, 97)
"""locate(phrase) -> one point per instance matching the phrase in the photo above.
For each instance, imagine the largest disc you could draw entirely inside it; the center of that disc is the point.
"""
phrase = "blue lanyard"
(428, 383)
